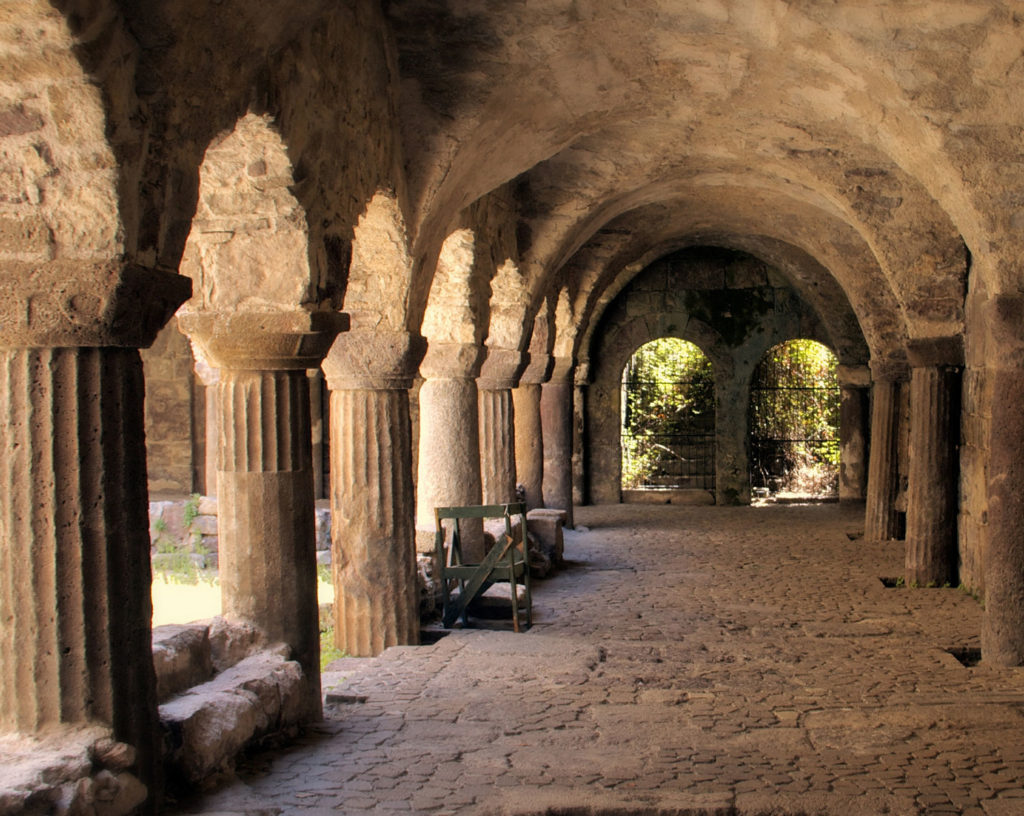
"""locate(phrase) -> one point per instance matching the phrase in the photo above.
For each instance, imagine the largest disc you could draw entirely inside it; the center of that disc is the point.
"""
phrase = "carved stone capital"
(372, 359)
(65, 304)
(936, 351)
(562, 369)
(501, 369)
(263, 341)
(452, 361)
(537, 369)
(890, 370)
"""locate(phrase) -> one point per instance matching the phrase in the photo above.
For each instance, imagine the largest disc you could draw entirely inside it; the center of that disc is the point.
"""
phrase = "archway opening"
(668, 418)
(794, 422)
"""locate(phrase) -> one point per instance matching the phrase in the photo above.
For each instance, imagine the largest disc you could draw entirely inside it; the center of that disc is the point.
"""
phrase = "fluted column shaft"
(556, 420)
(931, 549)
(881, 521)
(74, 545)
(266, 515)
(376, 600)
(498, 375)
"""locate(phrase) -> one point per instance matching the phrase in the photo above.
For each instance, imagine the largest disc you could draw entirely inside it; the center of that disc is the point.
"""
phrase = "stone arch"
(248, 249)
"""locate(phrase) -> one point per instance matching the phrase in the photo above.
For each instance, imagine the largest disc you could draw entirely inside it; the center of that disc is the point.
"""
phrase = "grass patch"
(328, 651)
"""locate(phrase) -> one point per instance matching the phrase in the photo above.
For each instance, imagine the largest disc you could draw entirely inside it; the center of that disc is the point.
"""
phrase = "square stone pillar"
(266, 512)
(854, 413)
(75, 601)
(373, 536)
(556, 421)
(881, 520)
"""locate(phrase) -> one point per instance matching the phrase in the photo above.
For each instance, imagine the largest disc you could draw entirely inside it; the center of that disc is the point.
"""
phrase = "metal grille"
(794, 429)
(674, 444)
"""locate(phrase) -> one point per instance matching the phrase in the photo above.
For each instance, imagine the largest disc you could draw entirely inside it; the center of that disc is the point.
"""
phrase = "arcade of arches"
(488, 206)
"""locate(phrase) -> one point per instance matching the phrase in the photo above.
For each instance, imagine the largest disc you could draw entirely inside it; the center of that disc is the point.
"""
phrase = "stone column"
(933, 486)
(74, 539)
(1002, 634)
(581, 379)
(266, 515)
(529, 434)
(556, 421)
(209, 376)
(881, 521)
(373, 537)
(316, 430)
(854, 382)
(498, 376)
(448, 472)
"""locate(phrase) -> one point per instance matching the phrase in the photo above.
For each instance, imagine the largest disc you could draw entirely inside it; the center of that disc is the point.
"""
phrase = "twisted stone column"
(75, 576)
(449, 457)
(529, 434)
(556, 421)
(881, 521)
(933, 488)
(498, 376)
(265, 478)
(376, 598)
(854, 382)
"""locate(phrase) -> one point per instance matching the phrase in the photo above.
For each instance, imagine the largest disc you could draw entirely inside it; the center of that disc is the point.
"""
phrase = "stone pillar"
(316, 430)
(581, 379)
(448, 472)
(498, 376)
(556, 421)
(854, 382)
(74, 528)
(881, 522)
(373, 537)
(529, 434)
(933, 486)
(209, 376)
(265, 508)
(1002, 635)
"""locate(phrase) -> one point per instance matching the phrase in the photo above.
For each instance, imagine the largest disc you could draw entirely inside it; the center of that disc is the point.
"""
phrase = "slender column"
(75, 577)
(581, 379)
(316, 428)
(1002, 635)
(209, 376)
(498, 376)
(854, 382)
(881, 517)
(556, 420)
(265, 504)
(529, 434)
(449, 457)
(376, 597)
(932, 491)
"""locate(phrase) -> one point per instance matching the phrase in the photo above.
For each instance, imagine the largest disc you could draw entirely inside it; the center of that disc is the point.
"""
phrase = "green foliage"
(160, 525)
(328, 651)
(794, 418)
(668, 390)
(191, 509)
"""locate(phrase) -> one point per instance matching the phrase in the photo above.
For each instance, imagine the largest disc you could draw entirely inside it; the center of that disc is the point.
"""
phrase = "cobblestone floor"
(688, 661)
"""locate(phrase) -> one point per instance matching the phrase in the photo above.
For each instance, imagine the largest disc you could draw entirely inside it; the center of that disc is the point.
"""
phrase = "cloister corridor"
(689, 660)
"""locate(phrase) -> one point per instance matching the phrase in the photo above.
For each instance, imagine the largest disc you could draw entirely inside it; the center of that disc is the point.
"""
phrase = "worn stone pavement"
(688, 661)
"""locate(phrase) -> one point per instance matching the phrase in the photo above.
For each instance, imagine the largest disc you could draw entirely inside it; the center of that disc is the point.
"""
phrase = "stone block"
(323, 527)
(546, 524)
(182, 658)
(232, 642)
(207, 506)
(211, 724)
(323, 557)
(204, 525)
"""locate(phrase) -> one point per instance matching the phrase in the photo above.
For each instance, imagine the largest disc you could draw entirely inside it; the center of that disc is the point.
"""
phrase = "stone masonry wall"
(732, 306)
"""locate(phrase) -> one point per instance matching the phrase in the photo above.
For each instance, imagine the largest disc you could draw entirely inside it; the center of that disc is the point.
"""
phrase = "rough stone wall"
(731, 305)
(171, 405)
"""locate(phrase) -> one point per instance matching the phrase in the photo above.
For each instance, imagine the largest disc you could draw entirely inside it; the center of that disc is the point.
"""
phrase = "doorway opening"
(668, 418)
(794, 423)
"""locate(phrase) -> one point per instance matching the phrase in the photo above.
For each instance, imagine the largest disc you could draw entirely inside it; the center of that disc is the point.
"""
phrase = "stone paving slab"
(689, 660)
